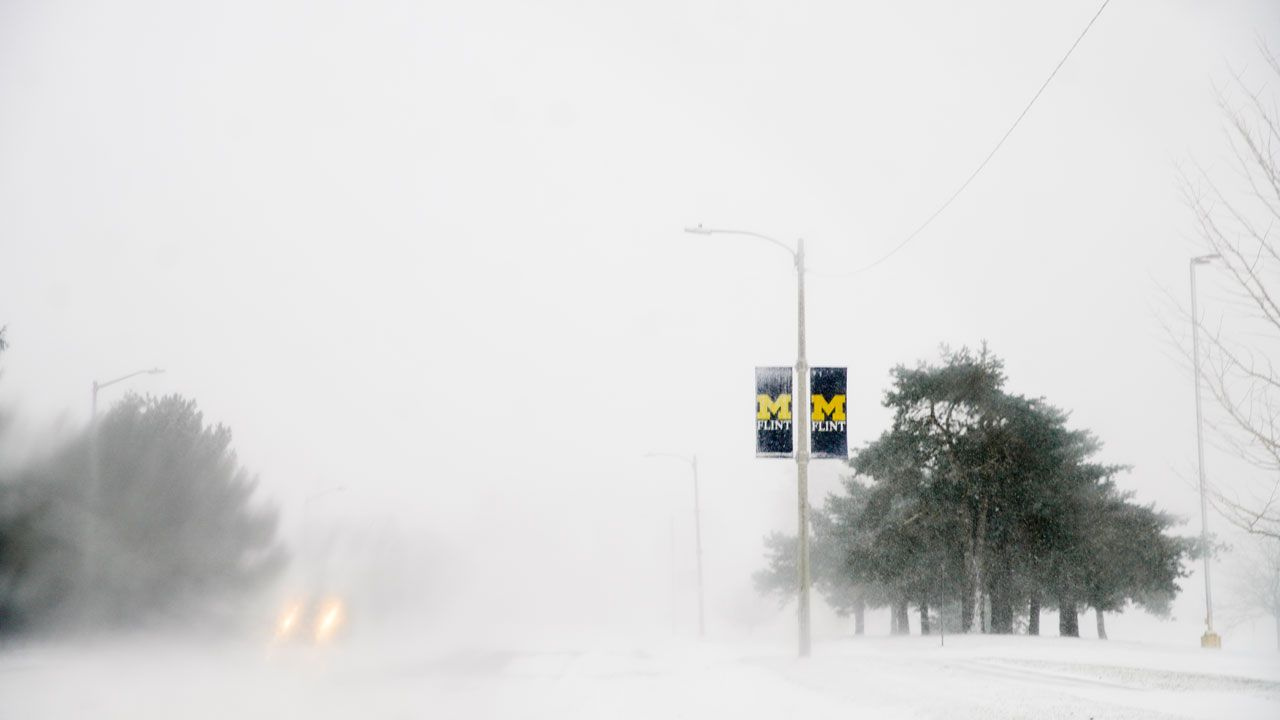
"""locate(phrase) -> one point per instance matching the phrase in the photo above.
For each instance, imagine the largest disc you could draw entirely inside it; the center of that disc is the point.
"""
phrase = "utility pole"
(1210, 639)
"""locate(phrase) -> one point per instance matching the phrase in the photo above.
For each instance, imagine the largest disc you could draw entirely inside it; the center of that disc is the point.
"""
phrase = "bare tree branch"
(1237, 364)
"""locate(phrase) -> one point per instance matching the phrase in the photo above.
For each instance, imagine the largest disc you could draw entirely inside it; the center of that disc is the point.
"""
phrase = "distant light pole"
(802, 449)
(1210, 639)
(95, 472)
(306, 505)
(306, 514)
(692, 461)
(93, 419)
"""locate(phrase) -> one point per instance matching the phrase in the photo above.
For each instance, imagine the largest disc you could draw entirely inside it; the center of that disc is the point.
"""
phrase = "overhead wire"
(929, 220)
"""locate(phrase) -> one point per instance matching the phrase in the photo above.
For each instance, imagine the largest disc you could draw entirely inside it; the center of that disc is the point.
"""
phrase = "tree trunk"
(924, 618)
(1001, 616)
(859, 618)
(975, 569)
(1033, 617)
(1002, 595)
(1068, 622)
(902, 623)
(1278, 629)
(1102, 624)
(966, 607)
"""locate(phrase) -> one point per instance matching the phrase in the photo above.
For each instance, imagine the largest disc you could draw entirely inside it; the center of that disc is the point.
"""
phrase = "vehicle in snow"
(311, 621)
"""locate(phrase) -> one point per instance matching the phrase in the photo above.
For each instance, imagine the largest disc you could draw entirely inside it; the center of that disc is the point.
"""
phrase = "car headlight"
(328, 620)
(289, 621)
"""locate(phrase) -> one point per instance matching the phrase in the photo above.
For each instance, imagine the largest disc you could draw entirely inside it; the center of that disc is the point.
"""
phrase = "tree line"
(981, 508)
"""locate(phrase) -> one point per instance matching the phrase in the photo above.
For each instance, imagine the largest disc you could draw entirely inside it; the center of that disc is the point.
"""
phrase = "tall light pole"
(317, 569)
(692, 461)
(1210, 639)
(802, 449)
(95, 479)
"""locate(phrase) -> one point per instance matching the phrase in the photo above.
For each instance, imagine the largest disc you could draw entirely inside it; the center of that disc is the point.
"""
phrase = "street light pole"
(95, 473)
(1210, 639)
(305, 544)
(692, 461)
(801, 413)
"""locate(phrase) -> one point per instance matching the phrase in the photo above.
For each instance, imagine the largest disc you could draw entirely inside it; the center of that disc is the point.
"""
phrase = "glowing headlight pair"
(324, 624)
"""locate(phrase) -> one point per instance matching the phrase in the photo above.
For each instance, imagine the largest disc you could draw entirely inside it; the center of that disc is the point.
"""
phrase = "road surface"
(971, 677)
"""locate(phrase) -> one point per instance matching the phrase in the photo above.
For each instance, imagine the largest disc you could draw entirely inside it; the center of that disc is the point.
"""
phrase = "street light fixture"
(692, 462)
(1210, 639)
(98, 386)
(802, 451)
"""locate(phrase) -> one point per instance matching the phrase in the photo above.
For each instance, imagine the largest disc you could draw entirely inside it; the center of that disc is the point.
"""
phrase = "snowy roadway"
(972, 677)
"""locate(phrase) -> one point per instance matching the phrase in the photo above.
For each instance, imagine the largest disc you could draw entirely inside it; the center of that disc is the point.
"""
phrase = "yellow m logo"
(824, 410)
(767, 406)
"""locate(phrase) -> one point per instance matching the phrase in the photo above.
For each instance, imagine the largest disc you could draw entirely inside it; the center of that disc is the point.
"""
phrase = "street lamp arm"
(152, 371)
(699, 230)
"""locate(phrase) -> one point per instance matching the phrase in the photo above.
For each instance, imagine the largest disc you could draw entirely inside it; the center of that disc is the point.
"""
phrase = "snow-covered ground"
(654, 677)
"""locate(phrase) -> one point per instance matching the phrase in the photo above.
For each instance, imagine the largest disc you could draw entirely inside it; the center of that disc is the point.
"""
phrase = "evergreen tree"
(948, 410)
(179, 529)
(1128, 557)
(172, 530)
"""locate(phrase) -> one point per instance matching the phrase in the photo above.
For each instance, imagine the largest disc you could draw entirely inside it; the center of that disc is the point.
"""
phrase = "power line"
(985, 160)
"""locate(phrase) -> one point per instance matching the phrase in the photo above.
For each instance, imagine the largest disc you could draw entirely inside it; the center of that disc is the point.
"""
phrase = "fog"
(426, 262)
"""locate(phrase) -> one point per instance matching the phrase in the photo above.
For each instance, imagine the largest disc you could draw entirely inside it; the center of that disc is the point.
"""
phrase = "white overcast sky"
(432, 251)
